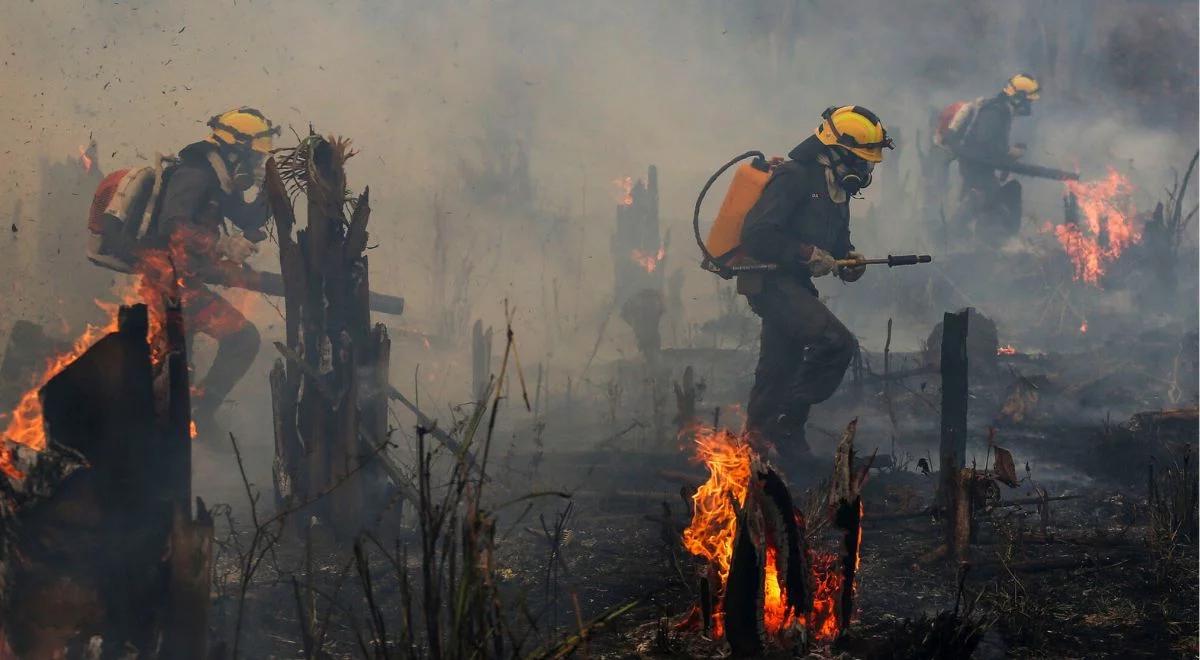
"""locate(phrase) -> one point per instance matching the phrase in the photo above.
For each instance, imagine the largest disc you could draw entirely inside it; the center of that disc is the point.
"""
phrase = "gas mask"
(245, 168)
(1021, 105)
(853, 173)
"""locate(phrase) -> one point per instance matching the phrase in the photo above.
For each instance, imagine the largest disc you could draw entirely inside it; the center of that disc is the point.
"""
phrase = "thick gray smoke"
(506, 123)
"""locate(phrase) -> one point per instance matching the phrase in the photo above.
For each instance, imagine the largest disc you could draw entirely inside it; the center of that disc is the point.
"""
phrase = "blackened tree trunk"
(329, 397)
(954, 418)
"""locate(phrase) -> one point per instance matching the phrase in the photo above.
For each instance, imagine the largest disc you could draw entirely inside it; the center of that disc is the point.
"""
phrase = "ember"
(85, 160)
(1103, 227)
(1007, 349)
(625, 190)
(648, 262)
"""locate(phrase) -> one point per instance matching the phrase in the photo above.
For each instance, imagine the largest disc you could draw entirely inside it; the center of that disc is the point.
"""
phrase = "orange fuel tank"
(747, 186)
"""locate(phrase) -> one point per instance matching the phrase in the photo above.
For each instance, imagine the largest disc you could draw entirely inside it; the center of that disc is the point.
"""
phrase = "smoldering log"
(104, 543)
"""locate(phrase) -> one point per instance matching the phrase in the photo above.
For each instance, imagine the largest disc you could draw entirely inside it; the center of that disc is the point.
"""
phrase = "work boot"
(786, 446)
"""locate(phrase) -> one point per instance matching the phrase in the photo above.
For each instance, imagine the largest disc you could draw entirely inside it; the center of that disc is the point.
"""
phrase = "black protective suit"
(986, 197)
(804, 349)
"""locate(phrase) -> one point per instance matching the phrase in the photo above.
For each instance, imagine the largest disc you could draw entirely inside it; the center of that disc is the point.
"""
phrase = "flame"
(25, 424)
(711, 533)
(713, 529)
(625, 189)
(84, 159)
(192, 430)
(1007, 349)
(158, 275)
(648, 262)
(1083, 327)
(1106, 228)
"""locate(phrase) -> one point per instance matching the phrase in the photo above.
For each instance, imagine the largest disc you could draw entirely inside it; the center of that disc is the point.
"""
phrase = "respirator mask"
(853, 173)
(1022, 106)
(245, 168)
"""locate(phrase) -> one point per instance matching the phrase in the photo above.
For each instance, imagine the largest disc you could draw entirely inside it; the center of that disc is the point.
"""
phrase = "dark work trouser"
(994, 205)
(804, 353)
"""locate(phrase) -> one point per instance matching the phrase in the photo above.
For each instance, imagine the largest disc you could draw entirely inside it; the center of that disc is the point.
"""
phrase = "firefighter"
(206, 187)
(802, 224)
(977, 135)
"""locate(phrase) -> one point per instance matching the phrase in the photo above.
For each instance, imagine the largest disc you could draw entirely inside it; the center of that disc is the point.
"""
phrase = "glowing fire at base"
(713, 530)
(648, 262)
(625, 190)
(155, 280)
(1007, 349)
(1104, 228)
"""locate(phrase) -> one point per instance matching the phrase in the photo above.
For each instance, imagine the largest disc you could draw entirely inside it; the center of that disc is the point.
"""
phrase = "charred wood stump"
(954, 488)
(329, 391)
(769, 543)
(101, 542)
(687, 393)
(847, 509)
(481, 363)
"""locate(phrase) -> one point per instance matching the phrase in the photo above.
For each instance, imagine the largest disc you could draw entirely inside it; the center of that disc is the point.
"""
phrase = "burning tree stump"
(638, 251)
(330, 396)
(769, 569)
(101, 542)
(764, 585)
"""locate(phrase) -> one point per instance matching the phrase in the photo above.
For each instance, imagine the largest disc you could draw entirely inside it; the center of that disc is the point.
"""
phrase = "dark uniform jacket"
(197, 197)
(986, 138)
(795, 214)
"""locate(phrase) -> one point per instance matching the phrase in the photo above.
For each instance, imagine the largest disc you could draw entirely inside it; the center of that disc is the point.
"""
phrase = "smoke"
(507, 120)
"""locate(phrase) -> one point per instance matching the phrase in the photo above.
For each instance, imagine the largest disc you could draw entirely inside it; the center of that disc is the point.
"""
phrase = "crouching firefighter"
(781, 224)
(171, 218)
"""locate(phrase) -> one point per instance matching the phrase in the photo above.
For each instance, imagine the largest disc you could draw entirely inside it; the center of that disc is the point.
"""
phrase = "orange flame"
(713, 530)
(714, 514)
(192, 430)
(1007, 349)
(25, 424)
(1083, 327)
(625, 189)
(84, 159)
(155, 279)
(1106, 227)
(648, 262)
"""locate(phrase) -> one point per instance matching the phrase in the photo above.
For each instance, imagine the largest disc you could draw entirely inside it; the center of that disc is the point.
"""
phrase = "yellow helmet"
(1023, 84)
(856, 129)
(243, 127)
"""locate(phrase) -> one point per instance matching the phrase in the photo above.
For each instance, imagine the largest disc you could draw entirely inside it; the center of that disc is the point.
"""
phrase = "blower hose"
(709, 263)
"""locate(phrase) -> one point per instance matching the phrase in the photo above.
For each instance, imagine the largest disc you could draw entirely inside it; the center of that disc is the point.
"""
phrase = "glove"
(821, 263)
(235, 248)
(852, 273)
